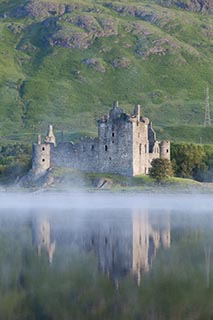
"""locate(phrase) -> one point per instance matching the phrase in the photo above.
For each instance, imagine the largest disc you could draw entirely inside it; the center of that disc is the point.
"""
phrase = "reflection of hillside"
(123, 243)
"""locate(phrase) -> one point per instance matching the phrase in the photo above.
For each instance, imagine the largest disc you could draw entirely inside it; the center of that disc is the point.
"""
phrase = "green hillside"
(65, 61)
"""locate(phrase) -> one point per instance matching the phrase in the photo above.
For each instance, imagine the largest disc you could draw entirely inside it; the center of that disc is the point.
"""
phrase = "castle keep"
(126, 145)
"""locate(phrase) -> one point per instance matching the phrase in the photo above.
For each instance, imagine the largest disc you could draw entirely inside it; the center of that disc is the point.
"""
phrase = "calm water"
(75, 256)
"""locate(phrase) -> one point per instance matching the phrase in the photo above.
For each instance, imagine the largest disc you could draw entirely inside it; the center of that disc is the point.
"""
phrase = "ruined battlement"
(126, 145)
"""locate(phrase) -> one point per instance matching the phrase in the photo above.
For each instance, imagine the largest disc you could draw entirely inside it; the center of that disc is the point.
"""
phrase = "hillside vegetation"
(65, 61)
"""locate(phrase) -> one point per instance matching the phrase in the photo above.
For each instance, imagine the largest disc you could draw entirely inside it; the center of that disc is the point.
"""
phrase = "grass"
(40, 84)
(69, 179)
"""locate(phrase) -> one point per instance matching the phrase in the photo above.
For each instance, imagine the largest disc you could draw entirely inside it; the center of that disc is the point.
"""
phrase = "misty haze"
(105, 256)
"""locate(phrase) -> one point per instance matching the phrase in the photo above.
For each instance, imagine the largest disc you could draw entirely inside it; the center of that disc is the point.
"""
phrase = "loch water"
(106, 256)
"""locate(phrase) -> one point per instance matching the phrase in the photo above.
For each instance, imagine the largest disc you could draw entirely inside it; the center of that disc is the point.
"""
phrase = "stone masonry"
(126, 145)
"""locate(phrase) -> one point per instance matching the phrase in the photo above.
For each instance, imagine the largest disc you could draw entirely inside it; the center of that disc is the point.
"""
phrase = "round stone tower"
(41, 157)
(165, 149)
(41, 160)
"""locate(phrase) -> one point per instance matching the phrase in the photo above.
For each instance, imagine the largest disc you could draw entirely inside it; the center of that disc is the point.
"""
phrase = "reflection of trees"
(207, 252)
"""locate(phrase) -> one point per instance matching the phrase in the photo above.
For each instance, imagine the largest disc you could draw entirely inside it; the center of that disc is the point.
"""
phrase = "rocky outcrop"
(42, 9)
(195, 5)
(122, 62)
(202, 6)
(95, 64)
(135, 11)
(81, 31)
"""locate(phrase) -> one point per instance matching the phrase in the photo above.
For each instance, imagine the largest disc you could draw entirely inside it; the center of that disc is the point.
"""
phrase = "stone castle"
(126, 145)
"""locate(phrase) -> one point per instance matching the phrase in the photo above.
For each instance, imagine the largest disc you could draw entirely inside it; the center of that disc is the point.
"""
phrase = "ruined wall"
(41, 157)
(155, 153)
(151, 137)
(125, 145)
(83, 155)
(140, 147)
(116, 145)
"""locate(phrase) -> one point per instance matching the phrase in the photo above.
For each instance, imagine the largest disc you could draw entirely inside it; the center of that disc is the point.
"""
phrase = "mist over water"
(195, 202)
(106, 256)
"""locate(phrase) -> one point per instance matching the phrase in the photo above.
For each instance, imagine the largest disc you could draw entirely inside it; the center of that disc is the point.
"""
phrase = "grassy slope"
(169, 65)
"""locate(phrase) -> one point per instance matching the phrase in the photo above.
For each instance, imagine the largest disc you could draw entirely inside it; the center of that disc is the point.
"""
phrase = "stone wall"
(116, 145)
(165, 149)
(140, 147)
(41, 157)
(126, 145)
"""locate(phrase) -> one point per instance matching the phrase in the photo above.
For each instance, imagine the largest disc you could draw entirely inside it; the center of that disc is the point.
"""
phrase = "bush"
(192, 161)
(161, 169)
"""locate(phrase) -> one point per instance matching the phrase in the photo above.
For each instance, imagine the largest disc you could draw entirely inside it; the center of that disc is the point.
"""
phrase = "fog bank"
(197, 202)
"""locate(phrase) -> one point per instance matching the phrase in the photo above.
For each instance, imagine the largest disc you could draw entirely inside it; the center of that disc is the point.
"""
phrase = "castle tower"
(42, 239)
(41, 160)
(50, 138)
(137, 111)
(165, 150)
(41, 157)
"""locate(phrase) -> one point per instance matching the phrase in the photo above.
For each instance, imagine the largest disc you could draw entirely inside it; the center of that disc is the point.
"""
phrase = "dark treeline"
(192, 161)
(188, 161)
(15, 161)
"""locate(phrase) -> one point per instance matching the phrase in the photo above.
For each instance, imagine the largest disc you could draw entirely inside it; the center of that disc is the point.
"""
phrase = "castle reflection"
(41, 236)
(124, 242)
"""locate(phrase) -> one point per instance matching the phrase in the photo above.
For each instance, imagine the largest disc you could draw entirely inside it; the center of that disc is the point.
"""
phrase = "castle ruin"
(126, 145)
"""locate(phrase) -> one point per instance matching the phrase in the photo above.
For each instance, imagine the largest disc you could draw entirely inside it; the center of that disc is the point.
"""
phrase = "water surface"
(92, 256)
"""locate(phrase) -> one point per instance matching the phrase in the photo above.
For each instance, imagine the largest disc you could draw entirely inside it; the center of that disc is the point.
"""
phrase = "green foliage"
(161, 169)
(15, 161)
(192, 161)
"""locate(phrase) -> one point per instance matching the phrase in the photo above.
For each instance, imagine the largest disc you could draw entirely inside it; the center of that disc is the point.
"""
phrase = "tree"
(190, 160)
(161, 169)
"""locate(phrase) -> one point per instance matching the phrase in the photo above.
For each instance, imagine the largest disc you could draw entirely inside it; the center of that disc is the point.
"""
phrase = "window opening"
(43, 148)
(43, 160)
(140, 149)
(106, 148)
(92, 147)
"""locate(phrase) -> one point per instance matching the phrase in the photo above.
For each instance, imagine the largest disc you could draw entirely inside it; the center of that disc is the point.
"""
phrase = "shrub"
(161, 169)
